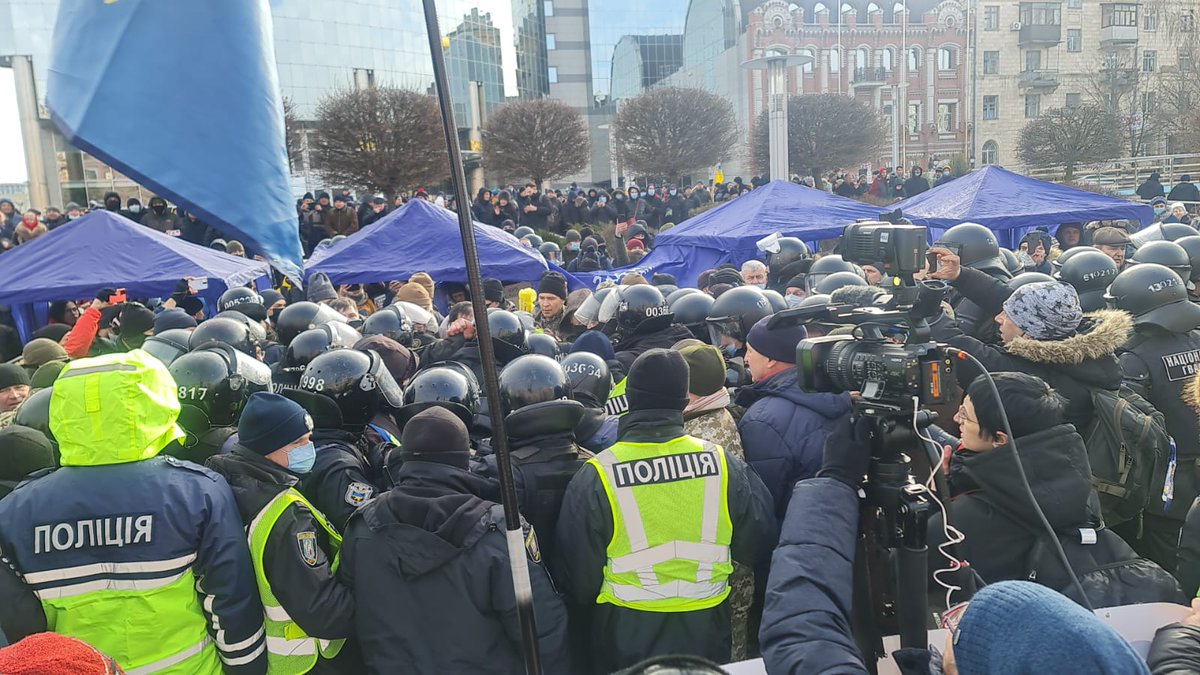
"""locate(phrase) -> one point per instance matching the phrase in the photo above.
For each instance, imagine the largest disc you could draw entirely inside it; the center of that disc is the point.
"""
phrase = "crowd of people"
(304, 480)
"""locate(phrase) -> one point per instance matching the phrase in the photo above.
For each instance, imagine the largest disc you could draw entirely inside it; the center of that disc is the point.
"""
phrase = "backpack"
(1126, 443)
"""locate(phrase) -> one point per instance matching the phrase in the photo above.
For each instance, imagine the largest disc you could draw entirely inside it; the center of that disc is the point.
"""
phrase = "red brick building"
(913, 62)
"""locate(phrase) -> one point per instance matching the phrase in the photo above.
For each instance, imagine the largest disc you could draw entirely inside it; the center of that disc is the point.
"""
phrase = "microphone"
(858, 296)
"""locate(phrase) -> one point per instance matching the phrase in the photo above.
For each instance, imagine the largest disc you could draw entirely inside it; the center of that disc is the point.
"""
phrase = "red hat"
(634, 244)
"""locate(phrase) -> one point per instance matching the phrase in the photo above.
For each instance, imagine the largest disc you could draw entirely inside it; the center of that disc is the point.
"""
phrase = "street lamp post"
(776, 64)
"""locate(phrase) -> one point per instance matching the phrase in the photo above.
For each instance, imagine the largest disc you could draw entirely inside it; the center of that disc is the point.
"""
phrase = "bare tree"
(1069, 137)
(380, 139)
(542, 140)
(825, 131)
(665, 133)
(291, 129)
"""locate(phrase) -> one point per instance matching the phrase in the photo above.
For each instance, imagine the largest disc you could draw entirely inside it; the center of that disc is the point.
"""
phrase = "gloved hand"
(848, 453)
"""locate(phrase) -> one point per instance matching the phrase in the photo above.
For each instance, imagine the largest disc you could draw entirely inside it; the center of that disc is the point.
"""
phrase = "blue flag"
(183, 97)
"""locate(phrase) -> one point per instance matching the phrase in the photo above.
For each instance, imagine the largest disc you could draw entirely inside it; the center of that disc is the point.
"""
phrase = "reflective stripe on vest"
(671, 526)
(617, 404)
(289, 649)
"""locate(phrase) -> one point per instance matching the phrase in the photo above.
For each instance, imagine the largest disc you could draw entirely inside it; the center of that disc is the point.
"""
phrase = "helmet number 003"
(312, 383)
(193, 393)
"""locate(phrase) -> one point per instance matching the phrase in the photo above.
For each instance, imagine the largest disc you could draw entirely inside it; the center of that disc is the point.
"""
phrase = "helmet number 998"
(312, 383)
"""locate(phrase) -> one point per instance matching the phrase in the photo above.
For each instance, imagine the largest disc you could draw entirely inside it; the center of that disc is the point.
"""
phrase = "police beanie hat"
(493, 290)
(24, 451)
(554, 283)
(777, 344)
(270, 297)
(706, 369)
(12, 375)
(270, 421)
(1023, 627)
(191, 304)
(658, 380)
(136, 319)
(173, 318)
(1047, 310)
(436, 435)
(40, 351)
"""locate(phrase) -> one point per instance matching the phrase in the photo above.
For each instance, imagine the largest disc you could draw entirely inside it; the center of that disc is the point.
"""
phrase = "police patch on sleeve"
(357, 494)
(307, 543)
(531, 543)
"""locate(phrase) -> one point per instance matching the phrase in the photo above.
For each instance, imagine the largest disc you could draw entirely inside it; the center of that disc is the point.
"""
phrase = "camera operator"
(1009, 627)
(1044, 333)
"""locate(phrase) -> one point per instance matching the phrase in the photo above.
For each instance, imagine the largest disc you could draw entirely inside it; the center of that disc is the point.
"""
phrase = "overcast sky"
(12, 160)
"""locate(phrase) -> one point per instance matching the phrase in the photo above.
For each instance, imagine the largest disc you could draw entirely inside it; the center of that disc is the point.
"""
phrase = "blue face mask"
(793, 301)
(300, 460)
(1158, 210)
(729, 350)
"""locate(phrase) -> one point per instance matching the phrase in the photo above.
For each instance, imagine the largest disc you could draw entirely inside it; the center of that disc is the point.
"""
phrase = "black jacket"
(1188, 570)
(429, 565)
(306, 589)
(629, 348)
(338, 483)
(1175, 650)
(1184, 192)
(621, 637)
(1150, 189)
(537, 218)
(915, 185)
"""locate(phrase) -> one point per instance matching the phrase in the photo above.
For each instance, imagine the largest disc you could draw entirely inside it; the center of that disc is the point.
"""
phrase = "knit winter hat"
(493, 290)
(270, 421)
(40, 351)
(777, 344)
(1046, 310)
(23, 451)
(436, 435)
(658, 380)
(416, 294)
(553, 283)
(595, 342)
(173, 318)
(12, 375)
(397, 359)
(424, 280)
(135, 319)
(706, 369)
(1020, 627)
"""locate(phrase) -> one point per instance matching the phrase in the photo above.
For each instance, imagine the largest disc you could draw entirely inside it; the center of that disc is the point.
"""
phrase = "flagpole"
(508, 494)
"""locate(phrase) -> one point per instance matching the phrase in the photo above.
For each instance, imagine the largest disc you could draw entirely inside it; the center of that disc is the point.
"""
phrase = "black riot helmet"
(34, 412)
(778, 304)
(830, 264)
(781, 253)
(1066, 255)
(692, 311)
(1155, 295)
(831, 282)
(679, 293)
(1167, 254)
(541, 343)
(1161, 232)
(531, 379)
(522, 231)
(1192, 246)
(535, 241)
(244, 300)
(213, 385)
(391, 322)
(1089, 272)
(735, 313)
(550, 251)
(1029, 278)
(1012, 264)
(346, 388)
(312, 343)
(508, 335)
(224, 330)
(257, 332)
(589, 378)
(642, 309)
(976, 248)
(449, 385)
(299, 317)
(168, 345)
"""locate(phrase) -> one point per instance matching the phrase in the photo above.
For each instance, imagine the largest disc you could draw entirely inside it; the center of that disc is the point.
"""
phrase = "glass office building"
(321, 46)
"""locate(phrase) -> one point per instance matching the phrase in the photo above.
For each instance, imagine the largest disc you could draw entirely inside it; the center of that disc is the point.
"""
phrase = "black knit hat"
(12, 375)
(493, 290)
(658, 380)
(135, 319)
(553, 282)
(436, 435)
(269, 422)
(24, 450)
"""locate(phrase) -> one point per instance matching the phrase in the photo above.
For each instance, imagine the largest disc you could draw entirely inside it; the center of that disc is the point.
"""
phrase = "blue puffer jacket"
(784, 429)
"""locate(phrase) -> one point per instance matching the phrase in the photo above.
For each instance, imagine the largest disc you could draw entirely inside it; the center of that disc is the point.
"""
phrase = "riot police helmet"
(1192, 246)
(975, 246)
(346, 388)
(532, 379)
(544, 344)
(301, 316)
(1154, 295)
(1167, 254)
(522, 231)
(224, 330)
(823, 267)
(34, 412)
(312, 343)
(692, 311)
(244, 300)
(589, 378)
(392, 322)
(831, 282)
(679, 293)
(449, 385)
(168, 345)
(509, 338)
(1089, 272)
(213, 384)
(641, 310)
(734, 313)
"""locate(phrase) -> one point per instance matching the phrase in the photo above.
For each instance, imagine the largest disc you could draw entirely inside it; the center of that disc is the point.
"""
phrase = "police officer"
(540, 418)
(429, 564)
(448, 385)
(308, 612)
(642, 321)
(229, 331)
(976, 247)
(509, 341)
(343, 390)
(790, 255)
(684, 510)
(590, 384)
(213, 384)
(827, 266)
(691, 311)
(122, 538)
(286, 373)
(1090, 272)
(729, 322)
(301, 316)
(1159, 359)
(394, 323)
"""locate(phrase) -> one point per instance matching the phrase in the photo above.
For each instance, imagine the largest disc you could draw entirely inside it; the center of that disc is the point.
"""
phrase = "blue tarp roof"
(1011, 204)
(103, 249)
(727, 233)
(423, 237)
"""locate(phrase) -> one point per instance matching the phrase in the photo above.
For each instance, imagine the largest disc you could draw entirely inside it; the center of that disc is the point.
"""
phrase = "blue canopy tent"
(103, 249)
(1011, 205)
(728, 232)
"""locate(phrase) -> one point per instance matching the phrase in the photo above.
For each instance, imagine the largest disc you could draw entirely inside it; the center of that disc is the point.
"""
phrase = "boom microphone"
(858, 296)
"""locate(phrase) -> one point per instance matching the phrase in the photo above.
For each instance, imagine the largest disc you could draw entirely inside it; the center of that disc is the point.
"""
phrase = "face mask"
(573, 246)
(729, 350)
(633, 195)
(1158, 210)
(762, 286)
(135, 209)
(301, 459)
(674, 192)
(159, 209)
(620, 197)
(793, 301)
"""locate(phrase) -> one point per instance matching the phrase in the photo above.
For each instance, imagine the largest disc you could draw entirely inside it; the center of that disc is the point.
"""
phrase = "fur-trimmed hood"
(1191, 393)
(1100, 335)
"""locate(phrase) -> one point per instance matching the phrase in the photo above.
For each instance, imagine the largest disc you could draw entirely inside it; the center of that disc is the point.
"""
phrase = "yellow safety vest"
(671, 527)
(617, 404)
(290, 651)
